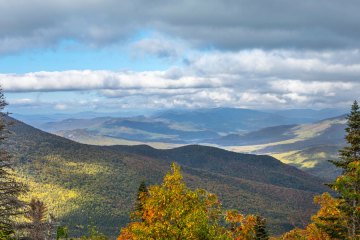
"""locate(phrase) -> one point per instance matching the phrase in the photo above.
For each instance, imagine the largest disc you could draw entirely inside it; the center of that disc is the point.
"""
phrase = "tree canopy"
(10, 189)
(173, 211)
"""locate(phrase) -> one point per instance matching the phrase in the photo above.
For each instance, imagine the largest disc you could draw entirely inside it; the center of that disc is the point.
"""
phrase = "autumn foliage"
(339, 217)
(173, 211)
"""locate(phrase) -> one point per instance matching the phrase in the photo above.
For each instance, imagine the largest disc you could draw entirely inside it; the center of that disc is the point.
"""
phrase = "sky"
(113, 56)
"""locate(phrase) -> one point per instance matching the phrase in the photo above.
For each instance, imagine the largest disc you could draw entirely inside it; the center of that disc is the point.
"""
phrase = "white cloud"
(251, 78)
(61, 106)
(311, 88)
(159, 46)
(282, 64)
(22, 101)
(99, 80)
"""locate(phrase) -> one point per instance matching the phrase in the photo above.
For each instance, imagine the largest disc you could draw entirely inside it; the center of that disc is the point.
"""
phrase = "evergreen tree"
(348, 184)
(40, 227)
(350, 153)
(141, 194)
(10, 189)
(260, 229)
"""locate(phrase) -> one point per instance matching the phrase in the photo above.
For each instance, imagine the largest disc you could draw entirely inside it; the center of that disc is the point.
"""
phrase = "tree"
(172, 211)
(347, 185)
(142, 193)
(312, 232)
(241, 227)
(40, 226)
(260, 229)
(330, 219)
(94, 234)
(10, 189)
(339, 217)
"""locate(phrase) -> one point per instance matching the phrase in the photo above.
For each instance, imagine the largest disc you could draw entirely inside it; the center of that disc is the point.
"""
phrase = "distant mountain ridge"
(178, 126)
(242, 120)
(306, 145)
(100, 183)
(310, 115)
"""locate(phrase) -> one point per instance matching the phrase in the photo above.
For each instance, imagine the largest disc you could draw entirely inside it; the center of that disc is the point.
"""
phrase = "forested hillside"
(307, 147)
(85, 184)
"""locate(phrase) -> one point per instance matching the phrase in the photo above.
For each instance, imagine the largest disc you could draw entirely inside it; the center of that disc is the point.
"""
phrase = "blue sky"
(71, 56)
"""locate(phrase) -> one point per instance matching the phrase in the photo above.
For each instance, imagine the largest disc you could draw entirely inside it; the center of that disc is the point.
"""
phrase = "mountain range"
(306, 146)
(285, 134)
(87, 184)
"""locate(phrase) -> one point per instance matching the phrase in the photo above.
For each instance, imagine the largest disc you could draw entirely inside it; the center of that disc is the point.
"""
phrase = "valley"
(87, 184)
(307, 146)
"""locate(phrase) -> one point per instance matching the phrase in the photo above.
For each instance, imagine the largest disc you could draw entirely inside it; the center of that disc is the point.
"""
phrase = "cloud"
(77, 80)
(160, 46)
(250, 78)
(234, 24)
(22, 102)
(61, 106)
(281, 64)
(311, 88)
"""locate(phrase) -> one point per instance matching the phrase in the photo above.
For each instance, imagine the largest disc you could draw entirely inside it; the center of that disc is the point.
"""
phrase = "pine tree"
(260, 229)
(40, 227)
(10, 189)
(350, 153)
(347, 185)
(141, 194)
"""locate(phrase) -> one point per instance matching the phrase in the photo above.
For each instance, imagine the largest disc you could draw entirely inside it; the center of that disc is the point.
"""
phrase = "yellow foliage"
(55, 197)
(310, 233)
(329, 208)
(242, 227)
(314, 231)
(77, 167)
(172, 211)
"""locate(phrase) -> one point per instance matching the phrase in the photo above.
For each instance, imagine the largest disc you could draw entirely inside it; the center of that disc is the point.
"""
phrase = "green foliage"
(339, 218)
(143, 192)
(348, 184)
(83, 183)
(94, 234)
(7, 234)
(260, 229)
(350, 153)
(62, 232)
(10, 189)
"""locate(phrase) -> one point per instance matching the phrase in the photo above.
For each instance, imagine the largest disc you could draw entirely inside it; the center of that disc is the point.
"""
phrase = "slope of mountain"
(134, 129)
(38, 120)
(73, 124)
(226, 119)
(88, 137)
(85, 184)
(262, 136)
(242, 126)
(310, 115)
(306, 146)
